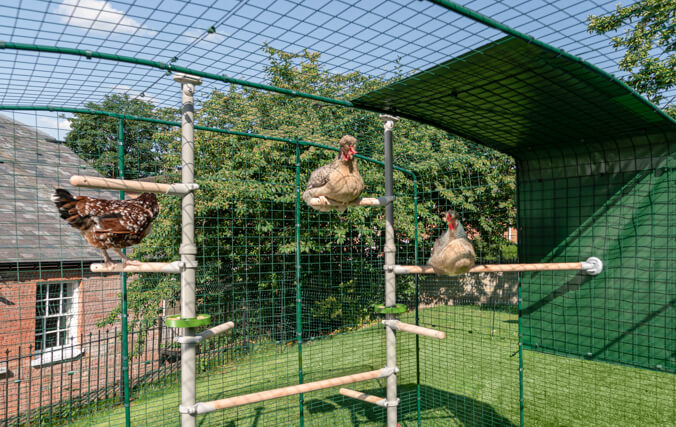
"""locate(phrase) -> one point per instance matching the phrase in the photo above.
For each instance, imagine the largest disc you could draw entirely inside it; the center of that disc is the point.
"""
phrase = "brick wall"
(94, 373)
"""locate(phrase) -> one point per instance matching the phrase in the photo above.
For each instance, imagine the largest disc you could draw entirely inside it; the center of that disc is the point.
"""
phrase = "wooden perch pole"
(591, 266)
(414, 329)
(363, 397)
(129, 185)
(145, 267)
(214, 405)
(365, 201)
(216, 330)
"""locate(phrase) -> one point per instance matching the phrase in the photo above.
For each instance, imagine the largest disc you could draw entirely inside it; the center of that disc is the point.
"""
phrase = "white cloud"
(99, 15)
(56, 127)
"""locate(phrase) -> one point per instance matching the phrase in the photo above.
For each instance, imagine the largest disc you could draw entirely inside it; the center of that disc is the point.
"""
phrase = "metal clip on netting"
(592, 266)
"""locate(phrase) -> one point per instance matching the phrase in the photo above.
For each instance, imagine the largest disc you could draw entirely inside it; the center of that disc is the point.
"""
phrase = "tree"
(650, 43)
(95, 138)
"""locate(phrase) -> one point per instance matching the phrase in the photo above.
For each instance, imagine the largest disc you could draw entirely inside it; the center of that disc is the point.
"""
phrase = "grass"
(470, 378)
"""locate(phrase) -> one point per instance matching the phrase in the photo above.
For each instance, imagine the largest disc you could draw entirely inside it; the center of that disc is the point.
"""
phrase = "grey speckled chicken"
(339, 181)
(108, 224)
(452, 253)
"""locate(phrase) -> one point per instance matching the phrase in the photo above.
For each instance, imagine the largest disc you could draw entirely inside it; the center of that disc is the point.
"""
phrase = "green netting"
(591, 174)
(617, 209)
(513, 95)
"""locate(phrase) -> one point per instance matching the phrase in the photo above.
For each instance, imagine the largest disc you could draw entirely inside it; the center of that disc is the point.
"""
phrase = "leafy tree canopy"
(95, 138)
(649, 40)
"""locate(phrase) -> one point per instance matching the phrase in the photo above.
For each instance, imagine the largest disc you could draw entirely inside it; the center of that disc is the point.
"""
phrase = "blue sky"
(367, 35)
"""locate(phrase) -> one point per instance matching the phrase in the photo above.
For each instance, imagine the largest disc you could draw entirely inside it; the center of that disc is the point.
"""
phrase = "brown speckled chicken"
(339, 181)
(108, 224)
(452, 253)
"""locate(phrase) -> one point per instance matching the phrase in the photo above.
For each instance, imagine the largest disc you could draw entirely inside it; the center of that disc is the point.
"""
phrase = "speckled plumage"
(339, 181)
(108, 224)
(452, 253)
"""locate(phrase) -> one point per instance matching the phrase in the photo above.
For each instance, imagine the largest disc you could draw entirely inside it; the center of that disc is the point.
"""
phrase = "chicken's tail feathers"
(61, 197)
(65, 203)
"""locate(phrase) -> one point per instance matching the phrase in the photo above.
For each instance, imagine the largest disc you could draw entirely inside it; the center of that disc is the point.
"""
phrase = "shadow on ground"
(438, 407)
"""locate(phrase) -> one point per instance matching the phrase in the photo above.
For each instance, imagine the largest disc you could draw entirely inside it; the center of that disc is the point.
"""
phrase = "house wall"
(96, 372)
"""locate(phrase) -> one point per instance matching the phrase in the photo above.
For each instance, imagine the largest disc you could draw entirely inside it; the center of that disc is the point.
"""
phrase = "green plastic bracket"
(397, 309)
(177, 322)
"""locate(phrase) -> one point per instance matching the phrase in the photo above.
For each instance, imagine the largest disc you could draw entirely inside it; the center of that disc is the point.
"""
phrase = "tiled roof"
(32, 165)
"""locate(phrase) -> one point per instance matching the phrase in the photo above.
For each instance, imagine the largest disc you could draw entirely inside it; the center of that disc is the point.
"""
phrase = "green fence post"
(123, 293)
(299, 323)
(417, 295)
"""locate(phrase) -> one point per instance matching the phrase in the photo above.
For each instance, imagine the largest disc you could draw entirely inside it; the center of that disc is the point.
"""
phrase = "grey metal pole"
(188, 250)
(390, 278)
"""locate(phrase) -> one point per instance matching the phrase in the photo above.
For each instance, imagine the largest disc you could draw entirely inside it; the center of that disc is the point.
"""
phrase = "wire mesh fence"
(589, 173)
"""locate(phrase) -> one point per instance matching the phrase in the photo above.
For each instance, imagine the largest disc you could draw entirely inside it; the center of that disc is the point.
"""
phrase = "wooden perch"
(365, 201)
(129, 185)
(414, 329)
(363, 397)
(145, 267)
(214, 405)
(592, 266)
(216, 330)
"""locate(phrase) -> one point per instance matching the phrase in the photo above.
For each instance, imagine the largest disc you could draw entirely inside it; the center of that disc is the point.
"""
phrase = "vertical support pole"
(299, 319)
(188, 250)
(519, 258)
(390, 278)
(123, 290)
(417, 303)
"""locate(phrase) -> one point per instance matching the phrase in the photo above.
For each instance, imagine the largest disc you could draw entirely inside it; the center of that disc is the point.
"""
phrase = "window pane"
(54, 290)
(40, 308)
(66, 322)
(50, 340)
(54, 306)
(52, 323)
(67, 305)
(41, 292)
(54, 315)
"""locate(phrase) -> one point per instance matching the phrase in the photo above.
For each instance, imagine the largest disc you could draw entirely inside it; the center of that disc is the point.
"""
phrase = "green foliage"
(95, 138)
(649, 39)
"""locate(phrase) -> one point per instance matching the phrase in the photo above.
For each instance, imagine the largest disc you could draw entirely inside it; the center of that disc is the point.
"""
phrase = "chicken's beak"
(352, 151)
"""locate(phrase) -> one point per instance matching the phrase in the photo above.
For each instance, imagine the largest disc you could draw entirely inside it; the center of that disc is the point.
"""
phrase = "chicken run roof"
(506, 92)
(513, 95)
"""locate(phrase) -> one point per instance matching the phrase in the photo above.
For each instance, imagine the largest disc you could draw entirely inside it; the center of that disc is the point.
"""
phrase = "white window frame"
(63, 351)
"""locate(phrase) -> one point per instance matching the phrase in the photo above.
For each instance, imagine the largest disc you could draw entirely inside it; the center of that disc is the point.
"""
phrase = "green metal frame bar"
(519, 319)
(210, 129)
(299, 318)
(123, 290)
(417, 303)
